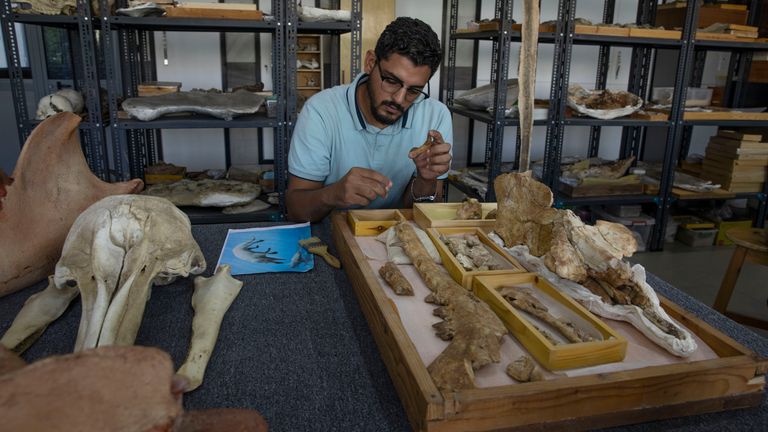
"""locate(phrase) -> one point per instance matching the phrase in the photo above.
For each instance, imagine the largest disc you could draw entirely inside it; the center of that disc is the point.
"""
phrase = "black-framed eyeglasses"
(392, 85)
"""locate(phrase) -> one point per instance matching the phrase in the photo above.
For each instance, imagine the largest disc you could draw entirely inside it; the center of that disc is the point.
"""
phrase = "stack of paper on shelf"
(738, 160)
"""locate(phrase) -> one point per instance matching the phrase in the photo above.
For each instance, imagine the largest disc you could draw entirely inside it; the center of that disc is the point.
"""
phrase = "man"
(350, 147)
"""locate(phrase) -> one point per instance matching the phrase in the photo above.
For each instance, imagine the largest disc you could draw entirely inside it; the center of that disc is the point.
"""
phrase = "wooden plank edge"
(421, 399)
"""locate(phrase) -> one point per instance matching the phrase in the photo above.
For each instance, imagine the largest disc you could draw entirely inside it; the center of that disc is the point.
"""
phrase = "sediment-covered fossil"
(527, 77)
(585, 169)
(470, 208)
(472, 327)
(522, 298)
(52, 185)
(206, 193)
(471, 252)
(564, 246)
(394, 277)
(524, 370)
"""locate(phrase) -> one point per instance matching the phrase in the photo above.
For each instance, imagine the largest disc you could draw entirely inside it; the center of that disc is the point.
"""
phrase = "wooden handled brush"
(316, 246)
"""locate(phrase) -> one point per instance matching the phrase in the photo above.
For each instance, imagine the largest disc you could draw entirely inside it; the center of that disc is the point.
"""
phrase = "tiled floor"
(698, 271)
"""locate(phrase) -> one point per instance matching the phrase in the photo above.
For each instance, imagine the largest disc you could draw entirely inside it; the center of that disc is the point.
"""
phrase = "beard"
(381, 116)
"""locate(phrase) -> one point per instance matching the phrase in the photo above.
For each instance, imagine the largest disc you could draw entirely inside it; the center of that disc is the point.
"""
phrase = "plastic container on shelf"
(694, 96)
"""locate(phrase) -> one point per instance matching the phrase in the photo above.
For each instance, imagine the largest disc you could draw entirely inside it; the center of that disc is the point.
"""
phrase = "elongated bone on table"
(211, 300)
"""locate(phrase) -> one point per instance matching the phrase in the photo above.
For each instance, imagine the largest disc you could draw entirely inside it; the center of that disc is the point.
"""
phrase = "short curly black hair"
(412, 38)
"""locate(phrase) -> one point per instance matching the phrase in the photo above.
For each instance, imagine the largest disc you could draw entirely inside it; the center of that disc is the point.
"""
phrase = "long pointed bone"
(527, 78)
(52, 186)
(39, 310)
(211, 300)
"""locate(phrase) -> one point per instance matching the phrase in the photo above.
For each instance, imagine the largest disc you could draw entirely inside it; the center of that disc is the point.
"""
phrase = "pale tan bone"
(562, 248)
(527, 78)
(109, 389)
(39, 310)
(211, 300)
(206, 193)
(52, 186)
(114, 252)
(472, 327)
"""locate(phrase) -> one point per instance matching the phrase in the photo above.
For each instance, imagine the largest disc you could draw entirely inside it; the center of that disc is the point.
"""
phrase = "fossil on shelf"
(469, 323)
(574, 256)
(221, 105)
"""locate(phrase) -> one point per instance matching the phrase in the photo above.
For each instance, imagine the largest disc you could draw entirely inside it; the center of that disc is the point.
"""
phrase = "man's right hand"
(359, 186)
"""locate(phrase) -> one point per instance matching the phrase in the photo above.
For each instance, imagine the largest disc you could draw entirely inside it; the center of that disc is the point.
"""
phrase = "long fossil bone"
(527, 77)
(52, 186)
(473, 328)
(211, 300)
(39, 310)
(115, 250)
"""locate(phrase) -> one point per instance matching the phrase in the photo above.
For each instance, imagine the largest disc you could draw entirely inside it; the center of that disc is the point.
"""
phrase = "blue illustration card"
(267, 249)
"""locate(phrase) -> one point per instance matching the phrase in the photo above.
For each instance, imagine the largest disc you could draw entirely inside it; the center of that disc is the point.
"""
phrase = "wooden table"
(751, 246)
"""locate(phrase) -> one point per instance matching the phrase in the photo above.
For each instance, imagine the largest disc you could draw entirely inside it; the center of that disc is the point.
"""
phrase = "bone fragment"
(525, 300)
(206, 193)
(52, 186)
(527, 78)
(221, 105)
(470, 208)
(38, 311)
(211, 300)
(115, 250)
(421, 149)
(524, 370)
(125, 389)
(399, 284)
(476, 332)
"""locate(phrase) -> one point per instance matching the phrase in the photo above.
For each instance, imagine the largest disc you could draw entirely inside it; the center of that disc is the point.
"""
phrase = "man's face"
(394, 86)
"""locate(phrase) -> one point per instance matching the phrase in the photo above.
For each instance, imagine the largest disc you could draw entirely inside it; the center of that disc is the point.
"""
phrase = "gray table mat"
(297, 348)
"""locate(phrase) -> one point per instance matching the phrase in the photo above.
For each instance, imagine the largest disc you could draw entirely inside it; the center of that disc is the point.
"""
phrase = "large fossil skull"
(115, 251)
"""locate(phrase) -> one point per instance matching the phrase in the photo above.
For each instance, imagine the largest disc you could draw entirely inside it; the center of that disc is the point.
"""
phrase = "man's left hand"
(436, 160)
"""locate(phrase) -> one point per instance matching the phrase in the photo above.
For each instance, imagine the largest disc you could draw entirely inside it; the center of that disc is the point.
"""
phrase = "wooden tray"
(601, 190)
(734, 380)
(434, 215)
(611, 349)
(655, 33)
(373, 222)
(456, 270)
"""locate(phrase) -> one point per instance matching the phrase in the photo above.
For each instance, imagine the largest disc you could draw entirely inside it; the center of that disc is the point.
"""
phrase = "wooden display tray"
(456, 270)
(734, 380)
(611, 349)
(373, 222)
(215, 11)
(433, 215)
(655, 33)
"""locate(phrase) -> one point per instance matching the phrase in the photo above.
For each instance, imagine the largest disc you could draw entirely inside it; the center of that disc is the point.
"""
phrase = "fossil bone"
(206, 193)
(114, 252)
(470, 208)
(524, 370)
(211, 300)
(394, 277)
(52, 186)
(473, 328)
(109, 389)
(221, 105)
(560, 245)
(527, 78)
(38, 311)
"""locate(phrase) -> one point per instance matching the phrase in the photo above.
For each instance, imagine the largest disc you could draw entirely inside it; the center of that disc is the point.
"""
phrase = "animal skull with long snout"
(114, 252)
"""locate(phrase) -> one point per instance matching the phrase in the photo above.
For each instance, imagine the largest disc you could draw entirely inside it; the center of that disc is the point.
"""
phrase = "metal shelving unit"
(634, 130)
(84, 72)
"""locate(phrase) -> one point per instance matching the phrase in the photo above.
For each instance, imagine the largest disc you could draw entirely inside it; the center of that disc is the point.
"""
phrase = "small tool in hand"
(316, 246)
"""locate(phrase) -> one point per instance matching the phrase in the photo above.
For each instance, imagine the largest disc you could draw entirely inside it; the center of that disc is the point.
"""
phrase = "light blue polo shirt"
(331, 137)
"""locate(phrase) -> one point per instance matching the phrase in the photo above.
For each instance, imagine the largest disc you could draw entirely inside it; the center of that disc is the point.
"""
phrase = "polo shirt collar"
(357, 115)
